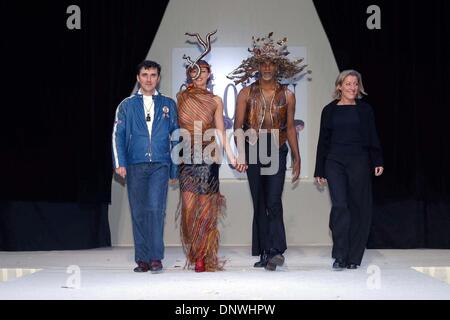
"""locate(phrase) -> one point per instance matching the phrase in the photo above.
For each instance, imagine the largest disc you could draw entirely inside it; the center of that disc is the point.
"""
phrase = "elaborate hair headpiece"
(264, 49)
(206, 47)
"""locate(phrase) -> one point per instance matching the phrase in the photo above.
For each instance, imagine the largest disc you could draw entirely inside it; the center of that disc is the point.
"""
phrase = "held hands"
(121, 171)
(240, 167)
(379, 171)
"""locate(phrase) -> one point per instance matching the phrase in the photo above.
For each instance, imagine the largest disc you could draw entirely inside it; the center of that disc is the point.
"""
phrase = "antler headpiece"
(206, 47)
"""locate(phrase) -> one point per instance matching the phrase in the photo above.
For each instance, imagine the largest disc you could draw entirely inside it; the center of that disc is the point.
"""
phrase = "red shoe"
(200, 265)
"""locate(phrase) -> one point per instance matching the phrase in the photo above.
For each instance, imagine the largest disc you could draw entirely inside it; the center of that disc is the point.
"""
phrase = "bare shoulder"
(219, 103)
(290, 96)
(217, 99)
(244, 92)
(289, 93)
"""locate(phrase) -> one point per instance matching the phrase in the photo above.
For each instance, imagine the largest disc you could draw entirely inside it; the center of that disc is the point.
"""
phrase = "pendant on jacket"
(148, 119)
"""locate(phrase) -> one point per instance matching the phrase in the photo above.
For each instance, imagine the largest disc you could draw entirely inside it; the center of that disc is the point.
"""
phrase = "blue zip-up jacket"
(131, 143)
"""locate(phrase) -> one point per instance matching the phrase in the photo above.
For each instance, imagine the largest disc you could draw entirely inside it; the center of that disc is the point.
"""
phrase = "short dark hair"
(147, 64)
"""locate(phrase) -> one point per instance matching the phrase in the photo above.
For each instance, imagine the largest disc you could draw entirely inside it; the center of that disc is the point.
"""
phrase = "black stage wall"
(60, 89)
(406, 70)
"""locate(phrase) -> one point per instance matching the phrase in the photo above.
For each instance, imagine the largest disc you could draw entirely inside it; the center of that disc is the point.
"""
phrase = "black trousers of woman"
(268, 227)
(350, 185)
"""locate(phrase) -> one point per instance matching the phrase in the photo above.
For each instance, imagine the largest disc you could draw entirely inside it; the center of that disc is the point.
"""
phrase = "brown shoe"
(156, 266)
(274, 261)
(142, 267)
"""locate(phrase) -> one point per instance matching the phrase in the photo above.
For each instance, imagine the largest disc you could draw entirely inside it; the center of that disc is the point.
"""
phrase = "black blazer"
(368, 134)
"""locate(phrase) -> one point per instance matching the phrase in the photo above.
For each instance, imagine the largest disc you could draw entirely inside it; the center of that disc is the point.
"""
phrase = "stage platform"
(107, 273)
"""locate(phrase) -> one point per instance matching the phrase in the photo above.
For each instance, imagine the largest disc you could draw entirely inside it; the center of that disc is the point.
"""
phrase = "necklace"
(148, 118)
(265, 106)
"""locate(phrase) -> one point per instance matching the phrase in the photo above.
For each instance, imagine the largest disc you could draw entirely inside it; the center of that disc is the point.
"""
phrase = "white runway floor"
(107, 274)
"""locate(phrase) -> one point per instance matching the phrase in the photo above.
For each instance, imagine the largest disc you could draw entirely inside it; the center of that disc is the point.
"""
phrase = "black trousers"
(268, 232)
(350, 185)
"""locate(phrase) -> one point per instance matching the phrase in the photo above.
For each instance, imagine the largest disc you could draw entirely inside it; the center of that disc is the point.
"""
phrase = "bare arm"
(240, 108)
(220, 127)
(292, 136)
(239, 117)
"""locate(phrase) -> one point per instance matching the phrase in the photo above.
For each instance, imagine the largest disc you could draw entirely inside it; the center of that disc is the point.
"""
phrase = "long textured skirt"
(201, 207)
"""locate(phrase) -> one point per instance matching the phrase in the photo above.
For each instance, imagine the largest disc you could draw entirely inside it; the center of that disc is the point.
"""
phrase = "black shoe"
(274, 261)
(339, 265)
(262, 261)
(142, 267)
(156, 266)
(352, 266)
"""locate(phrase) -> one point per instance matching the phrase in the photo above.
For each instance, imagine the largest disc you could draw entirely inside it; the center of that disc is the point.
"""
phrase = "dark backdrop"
(60, 89)
(405, 68)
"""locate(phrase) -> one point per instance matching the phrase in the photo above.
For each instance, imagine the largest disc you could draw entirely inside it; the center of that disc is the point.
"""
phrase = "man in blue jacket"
(141, 144)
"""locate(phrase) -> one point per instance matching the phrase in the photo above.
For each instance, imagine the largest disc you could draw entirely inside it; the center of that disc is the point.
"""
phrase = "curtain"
(60, 90)
(405, 71)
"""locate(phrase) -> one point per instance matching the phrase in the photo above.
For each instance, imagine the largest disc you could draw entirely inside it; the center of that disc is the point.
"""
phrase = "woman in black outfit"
(347, 153)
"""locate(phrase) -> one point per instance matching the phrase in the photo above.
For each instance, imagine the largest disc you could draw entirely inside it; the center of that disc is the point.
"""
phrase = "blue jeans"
(147, 194)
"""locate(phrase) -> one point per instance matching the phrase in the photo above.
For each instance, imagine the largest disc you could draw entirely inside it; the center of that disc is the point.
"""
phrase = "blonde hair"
(340, 79)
